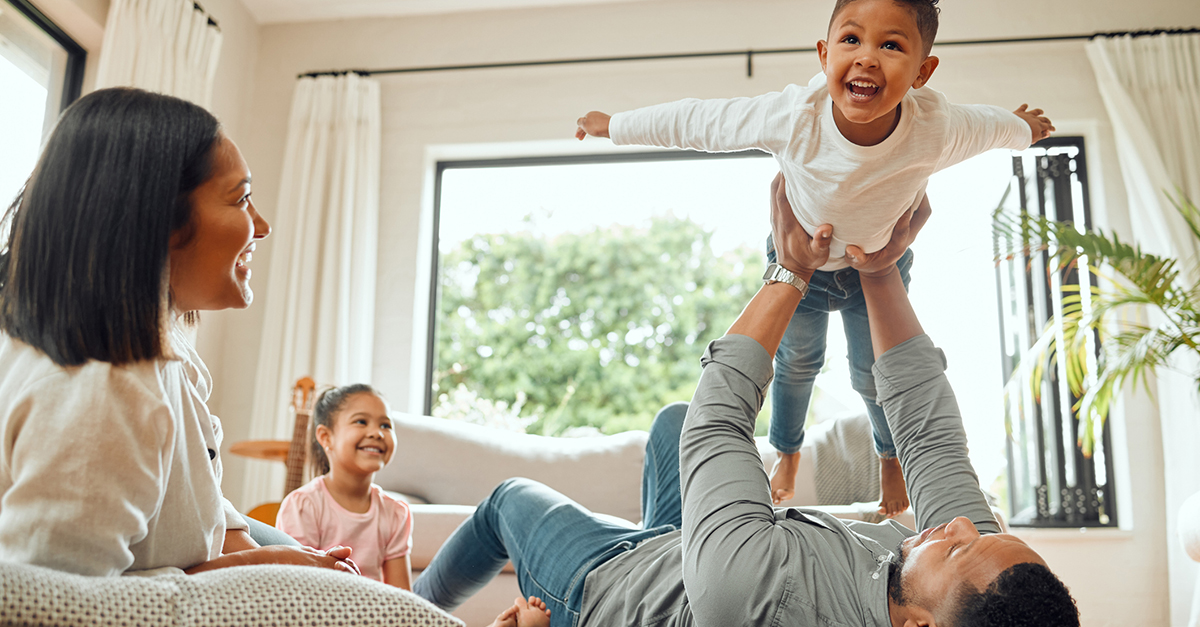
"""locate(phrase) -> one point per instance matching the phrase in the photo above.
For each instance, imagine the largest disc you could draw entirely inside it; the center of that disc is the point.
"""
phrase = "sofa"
(444, 468)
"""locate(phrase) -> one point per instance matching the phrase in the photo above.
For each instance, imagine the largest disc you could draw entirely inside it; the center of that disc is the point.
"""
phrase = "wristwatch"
(779, 274)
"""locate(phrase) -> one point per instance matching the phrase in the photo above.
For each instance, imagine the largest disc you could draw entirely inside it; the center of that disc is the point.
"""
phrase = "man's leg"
(552, 542)
(662, 503)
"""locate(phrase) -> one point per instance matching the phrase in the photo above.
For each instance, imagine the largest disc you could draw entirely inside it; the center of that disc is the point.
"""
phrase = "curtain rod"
(749, 54)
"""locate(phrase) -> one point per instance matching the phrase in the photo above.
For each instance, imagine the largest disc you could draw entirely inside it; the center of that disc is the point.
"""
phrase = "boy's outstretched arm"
(594, 123)
(1039, 125)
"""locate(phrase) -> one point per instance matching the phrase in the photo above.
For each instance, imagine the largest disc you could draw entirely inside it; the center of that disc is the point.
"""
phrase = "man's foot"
(894, 495)
(783, 476)
(531, 613)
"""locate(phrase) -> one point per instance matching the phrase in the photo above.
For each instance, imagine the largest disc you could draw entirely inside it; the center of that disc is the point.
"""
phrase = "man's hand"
(1039, 125)
(883, 261)
(594, 123)
(795, 249)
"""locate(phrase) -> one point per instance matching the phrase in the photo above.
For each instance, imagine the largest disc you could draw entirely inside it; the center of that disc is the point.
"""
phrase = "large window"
(41, 71)
(576, 294)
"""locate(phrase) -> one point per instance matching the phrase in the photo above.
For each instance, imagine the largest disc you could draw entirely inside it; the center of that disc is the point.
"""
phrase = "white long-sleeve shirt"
(860, 190)
(107, 469)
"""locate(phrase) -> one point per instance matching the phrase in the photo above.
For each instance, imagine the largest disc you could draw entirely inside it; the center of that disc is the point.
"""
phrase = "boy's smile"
(873, 57)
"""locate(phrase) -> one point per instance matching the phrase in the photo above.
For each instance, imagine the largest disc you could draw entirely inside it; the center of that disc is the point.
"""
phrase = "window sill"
(1072, 534)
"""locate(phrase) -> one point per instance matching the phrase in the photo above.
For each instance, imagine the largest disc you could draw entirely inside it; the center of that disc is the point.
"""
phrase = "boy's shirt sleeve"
(763, 122)
(976, 129)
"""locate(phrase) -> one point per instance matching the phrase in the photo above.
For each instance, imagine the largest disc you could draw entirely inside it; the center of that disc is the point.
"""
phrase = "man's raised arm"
(914, 393)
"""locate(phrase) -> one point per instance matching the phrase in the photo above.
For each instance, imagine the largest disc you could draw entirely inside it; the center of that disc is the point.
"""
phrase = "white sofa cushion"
(447, 462)
(246, 596)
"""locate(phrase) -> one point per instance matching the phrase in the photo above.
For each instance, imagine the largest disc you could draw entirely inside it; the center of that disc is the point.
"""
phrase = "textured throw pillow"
(247, 596)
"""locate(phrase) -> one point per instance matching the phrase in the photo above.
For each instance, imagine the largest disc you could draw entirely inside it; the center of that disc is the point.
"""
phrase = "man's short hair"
(924, 12)
(1024, 595)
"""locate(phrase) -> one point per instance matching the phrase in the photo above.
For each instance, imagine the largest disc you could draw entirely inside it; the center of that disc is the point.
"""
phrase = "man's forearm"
(893, 320)
(766, 316)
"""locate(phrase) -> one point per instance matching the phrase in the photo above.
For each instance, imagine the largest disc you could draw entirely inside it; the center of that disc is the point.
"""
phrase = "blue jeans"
(552, 541)
(801, 355)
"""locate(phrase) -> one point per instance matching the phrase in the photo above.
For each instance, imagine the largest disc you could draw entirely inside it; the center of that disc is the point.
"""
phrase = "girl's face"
(361, 441)
(210, 256)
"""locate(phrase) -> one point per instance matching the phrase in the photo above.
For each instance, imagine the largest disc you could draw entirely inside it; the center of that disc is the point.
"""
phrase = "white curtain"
(167, 46)
(320, 298)
(1151, 89)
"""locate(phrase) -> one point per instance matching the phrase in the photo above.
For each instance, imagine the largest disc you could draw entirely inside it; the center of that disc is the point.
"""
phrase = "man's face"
(936, 562)
(873, 56)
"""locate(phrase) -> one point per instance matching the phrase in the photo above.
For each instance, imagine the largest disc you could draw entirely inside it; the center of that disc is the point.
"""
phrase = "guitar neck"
(297, 454)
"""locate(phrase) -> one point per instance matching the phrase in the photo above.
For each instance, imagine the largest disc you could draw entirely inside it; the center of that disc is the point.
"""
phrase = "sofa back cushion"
(449, 462)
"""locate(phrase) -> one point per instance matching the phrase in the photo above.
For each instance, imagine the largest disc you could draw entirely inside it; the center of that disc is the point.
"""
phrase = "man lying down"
(713, 552)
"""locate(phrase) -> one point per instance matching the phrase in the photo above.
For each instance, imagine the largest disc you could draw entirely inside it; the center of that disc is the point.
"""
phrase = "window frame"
(72, 86)
(549, 160)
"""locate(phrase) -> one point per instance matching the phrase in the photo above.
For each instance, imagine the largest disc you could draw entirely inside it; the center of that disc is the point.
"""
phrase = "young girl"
(352, 440)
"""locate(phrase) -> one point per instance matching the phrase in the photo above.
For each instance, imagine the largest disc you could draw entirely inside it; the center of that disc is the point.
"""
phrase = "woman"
(137, 215)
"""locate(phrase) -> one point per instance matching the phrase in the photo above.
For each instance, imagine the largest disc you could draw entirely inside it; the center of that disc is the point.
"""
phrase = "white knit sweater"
(107, 469)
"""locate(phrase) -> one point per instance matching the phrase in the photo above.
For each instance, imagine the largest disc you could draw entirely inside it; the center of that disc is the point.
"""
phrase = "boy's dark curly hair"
(1024, 595)
(924, 12)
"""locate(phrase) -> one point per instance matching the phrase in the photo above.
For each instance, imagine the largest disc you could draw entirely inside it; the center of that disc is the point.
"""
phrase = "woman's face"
(210, 256)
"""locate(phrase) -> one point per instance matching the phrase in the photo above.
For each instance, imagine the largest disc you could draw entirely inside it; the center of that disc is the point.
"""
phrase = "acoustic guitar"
(293, 454)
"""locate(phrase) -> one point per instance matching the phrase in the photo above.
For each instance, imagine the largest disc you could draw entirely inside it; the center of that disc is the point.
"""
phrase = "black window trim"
(76, 55)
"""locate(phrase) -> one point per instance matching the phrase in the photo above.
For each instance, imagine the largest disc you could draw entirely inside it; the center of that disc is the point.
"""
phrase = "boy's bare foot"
(783, 476)
(531, 613)
(894, 495)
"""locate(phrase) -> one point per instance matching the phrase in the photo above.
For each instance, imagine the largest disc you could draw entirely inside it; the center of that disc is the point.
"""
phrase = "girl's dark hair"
(328, 405)
(83, 274)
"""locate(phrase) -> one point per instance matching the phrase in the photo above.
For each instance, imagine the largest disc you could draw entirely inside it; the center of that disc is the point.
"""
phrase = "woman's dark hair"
(328, 405)
(83, 274)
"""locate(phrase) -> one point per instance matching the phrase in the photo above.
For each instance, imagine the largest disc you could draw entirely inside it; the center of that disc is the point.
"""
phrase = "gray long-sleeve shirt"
(738, 560)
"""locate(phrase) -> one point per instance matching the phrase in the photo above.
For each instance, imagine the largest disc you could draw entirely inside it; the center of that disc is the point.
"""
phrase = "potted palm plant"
(1130, 347)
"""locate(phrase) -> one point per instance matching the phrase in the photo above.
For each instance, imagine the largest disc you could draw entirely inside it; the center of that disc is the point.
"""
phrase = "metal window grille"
(1051, 482)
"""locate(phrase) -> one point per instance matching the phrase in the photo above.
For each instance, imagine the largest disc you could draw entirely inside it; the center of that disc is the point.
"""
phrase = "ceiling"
(275, 11)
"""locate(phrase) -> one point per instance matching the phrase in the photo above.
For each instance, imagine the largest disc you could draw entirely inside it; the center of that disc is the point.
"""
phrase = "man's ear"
(927, 67)
(822, 52)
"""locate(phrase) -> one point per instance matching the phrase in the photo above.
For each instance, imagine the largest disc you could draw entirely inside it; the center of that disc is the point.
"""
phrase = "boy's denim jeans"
(552, 541)
(801, 355)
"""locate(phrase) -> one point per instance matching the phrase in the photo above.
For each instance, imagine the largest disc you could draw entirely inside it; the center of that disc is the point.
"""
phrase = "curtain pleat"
(166, 46)
(320, 301)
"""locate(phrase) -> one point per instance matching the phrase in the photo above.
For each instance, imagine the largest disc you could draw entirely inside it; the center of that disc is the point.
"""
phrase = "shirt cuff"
(743, 354)
(906, 366)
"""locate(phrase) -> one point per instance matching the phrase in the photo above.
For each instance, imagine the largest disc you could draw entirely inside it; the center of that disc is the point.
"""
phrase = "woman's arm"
(398, 572)
(337, 558)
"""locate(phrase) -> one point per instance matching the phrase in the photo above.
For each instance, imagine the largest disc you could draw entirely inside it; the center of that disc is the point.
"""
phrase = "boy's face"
(873, 56)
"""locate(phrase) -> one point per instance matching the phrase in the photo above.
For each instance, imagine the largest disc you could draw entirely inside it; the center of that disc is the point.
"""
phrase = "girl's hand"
(794, 248)
(594, 123)
(883, 261)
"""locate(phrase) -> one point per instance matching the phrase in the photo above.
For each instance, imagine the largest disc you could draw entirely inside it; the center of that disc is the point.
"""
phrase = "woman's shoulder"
(25, 369)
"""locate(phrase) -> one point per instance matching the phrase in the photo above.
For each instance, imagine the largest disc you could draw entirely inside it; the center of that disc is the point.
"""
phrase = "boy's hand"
(1039, 125)
(904, 233)
(795, 249)
(594, 124)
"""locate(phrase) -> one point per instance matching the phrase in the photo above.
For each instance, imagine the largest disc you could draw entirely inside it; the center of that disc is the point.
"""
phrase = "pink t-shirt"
(384, 532)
